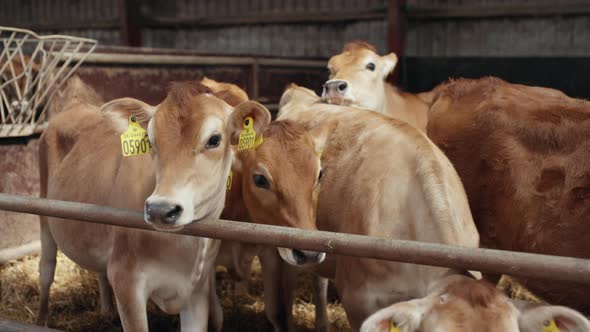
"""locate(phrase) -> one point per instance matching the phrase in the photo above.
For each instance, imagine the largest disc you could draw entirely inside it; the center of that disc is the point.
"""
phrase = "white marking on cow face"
(192, 164)
(301, 258)
(358, 78)
(150, 132)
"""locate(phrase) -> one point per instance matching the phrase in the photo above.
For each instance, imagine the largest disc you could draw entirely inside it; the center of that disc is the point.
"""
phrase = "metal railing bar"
(170, 59)
(485, 260)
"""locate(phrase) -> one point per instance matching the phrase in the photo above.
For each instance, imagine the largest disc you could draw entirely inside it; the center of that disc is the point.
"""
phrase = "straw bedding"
(74, 300)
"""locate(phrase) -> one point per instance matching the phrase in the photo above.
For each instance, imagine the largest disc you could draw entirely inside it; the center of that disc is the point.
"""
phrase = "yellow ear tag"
(550, 326)
(319, 153)
(393, 327)
(229, 180)
(134, 141)
(247, 138)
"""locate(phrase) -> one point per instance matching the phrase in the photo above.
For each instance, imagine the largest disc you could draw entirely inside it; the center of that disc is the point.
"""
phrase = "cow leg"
(46, 270)
(288, 286)
(131, 298)
(215, 310)
(106, 295)
(358, 305)
(195, 314)
(320, 298)
(279, 286)
(360, 294)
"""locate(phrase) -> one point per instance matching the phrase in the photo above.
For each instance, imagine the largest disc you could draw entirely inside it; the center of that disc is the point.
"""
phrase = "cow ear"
(551, 318)
(256, 111)
(406, 316)
(389, 62)
(119, 111)
(287, 95)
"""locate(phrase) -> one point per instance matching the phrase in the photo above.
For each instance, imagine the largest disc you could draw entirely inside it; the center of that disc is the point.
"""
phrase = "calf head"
(357, 76)
(463, 304)
(191, 134)
(281, 180)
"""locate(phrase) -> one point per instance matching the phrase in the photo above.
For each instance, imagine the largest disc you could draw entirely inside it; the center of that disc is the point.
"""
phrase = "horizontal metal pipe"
(285, 17)
(513, 9)
(204, 60)
(485, 260)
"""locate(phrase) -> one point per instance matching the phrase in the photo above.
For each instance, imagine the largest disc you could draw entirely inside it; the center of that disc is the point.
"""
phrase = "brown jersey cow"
(523, 154)
(382, 178)
(357, 78)
(190, 133)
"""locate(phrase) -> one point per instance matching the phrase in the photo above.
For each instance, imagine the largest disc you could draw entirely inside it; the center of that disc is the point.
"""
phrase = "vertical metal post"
(255, 80)
(396, 34)
(129, 15)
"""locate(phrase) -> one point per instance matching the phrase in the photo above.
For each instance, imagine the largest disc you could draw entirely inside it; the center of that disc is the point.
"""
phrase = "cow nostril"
(342, 86)
(148, 213)
(299, 256)
(172, 215)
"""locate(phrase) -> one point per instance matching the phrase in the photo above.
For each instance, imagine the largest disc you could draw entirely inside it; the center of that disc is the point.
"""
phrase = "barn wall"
(97, 19)
(19, 175)
(497, 28)
(533, 42)
(317, 29)
(175, 23)
(285, 40)
(306, 39)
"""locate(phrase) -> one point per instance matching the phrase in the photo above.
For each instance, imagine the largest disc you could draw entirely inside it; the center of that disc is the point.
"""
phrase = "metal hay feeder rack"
(32, 70)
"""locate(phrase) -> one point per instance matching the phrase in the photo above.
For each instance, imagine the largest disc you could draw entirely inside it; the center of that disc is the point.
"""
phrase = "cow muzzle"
(163, 215)
(335, 91)
(299, 257)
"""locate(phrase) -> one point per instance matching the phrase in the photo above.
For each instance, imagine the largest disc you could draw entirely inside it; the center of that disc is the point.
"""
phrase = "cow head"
(190, 135)
(463, 304)
(357, 76)
(281, 180)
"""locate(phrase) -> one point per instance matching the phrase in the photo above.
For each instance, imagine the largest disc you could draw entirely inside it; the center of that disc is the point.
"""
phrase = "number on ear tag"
(393, 327)
(550, 326)
(134, 141)
(248, 135)
(229, 180)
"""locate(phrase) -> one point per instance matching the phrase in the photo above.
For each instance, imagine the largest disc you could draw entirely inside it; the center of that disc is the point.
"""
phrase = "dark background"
(536, 42)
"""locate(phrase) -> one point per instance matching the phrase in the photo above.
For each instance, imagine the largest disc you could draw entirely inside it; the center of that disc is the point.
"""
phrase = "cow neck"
(393, 102)
(235, 208)
(405, 106)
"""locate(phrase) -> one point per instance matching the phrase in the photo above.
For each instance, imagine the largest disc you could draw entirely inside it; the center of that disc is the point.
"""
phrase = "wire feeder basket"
(32, 70)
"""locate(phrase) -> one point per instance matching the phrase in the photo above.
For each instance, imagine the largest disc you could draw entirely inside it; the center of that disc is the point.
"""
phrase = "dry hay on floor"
(74, 300)
(517, 291)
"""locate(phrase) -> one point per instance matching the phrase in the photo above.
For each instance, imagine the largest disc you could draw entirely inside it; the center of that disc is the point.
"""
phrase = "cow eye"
(370, 66)
(260, 181)
(213, 141)
(321, 174)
